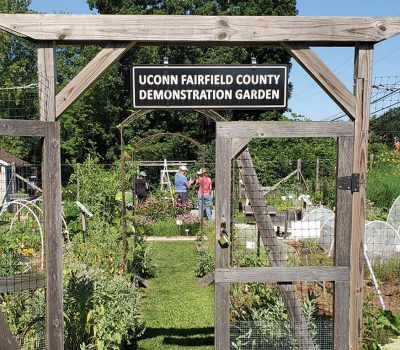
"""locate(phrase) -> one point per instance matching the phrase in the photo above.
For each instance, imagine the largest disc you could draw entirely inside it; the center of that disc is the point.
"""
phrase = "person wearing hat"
(141, 188)
(204, 196)
(182, 184)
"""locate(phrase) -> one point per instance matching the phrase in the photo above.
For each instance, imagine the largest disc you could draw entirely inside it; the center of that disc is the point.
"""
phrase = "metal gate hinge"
(349, 183)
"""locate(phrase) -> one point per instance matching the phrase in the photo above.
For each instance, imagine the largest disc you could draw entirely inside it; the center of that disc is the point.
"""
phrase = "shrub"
(379, 326)
(101, 311)
(205, 264)
(383, 186)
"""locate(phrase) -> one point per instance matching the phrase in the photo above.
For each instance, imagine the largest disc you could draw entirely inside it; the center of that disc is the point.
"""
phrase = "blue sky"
(307, 99)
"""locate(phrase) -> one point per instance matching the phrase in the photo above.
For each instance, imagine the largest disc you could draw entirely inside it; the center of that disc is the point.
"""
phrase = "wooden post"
(317, 175)
(343, 217)
(7, 340)
(223, 187)
(298, 169)
(52, 198)
(363, 74)
(123, 203)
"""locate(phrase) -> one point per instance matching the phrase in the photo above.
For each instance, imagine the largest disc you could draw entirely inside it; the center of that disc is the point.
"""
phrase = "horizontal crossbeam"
(16, 283)
(283, 274)
(282, 129)
(14, 127)
(201, 29)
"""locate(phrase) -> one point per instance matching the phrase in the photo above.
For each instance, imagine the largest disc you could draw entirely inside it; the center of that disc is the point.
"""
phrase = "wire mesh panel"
(286, 221)
(299, 195)
(393, 218)
(22, 241)
(19, 102)
(263, 323)
(385, 94)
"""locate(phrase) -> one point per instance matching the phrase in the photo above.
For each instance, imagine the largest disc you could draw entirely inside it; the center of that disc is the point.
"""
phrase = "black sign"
(216, 87)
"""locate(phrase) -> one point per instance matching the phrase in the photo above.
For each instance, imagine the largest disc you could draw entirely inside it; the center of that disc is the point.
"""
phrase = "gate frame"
(231, 143)
(294, 33)
(49, 132)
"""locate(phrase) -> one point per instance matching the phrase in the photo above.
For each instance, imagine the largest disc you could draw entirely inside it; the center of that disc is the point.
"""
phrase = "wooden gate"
(48, 131)
(231, 145)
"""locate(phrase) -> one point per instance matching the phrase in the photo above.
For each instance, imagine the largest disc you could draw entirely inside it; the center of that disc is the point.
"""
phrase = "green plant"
(269, 327)
(383, 186)
(388, 271)
(205, 263)
(101, 311)
(25, 313)
(378, 325)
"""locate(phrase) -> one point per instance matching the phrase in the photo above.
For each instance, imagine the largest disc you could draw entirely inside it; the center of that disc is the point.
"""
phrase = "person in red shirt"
(204, 196)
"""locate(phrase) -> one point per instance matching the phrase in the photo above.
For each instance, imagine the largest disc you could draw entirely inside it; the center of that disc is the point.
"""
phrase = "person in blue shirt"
(182, 184)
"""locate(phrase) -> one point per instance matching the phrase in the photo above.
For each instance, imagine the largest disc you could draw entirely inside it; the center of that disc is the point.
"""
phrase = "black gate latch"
(349, 183)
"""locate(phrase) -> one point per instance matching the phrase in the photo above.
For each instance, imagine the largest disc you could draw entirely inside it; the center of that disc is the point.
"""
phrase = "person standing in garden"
(182, 185)
(204, 196)
(141, 188)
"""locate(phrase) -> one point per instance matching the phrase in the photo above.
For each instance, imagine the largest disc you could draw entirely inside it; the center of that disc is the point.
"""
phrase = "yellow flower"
(27, 251)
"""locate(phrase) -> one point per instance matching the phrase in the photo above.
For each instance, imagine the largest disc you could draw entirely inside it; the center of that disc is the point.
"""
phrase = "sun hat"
(201, 171)
(183, 167)
(142, 173)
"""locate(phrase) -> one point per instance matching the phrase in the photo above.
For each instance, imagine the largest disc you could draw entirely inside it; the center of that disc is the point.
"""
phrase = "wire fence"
(22, 240)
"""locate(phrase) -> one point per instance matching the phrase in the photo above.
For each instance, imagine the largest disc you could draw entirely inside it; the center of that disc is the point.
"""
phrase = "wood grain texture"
(200, 29)
(344, 166)
(47, 80)
(7, 339)
(277, 258)
(283, 274)
(53, 237)
(15, 283)
(323, 76)
(281, 129)
(363, 77)
(222, 255)
(14, 127)
(110, 54)
(238, 145)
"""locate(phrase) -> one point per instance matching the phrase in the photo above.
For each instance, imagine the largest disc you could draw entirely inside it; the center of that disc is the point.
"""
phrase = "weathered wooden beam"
(363, 77)
(223, 189)
(283, 274)
(89, 74)
(342, 241)
(53, 236)
(276, 256)
(7, 340)
(14, 127)
(281, 129)
(238, 145)
(323, 76)
(51, 197)
(16, 283)
(47, 80)
(200, 29)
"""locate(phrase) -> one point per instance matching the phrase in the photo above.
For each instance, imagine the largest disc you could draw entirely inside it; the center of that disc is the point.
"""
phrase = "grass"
(178, 314)
(169, 228)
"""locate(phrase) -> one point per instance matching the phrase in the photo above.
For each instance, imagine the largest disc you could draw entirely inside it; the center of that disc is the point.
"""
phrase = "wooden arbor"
(119, 34)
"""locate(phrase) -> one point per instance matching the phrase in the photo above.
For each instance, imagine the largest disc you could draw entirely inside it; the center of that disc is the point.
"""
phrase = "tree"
(189, 122)
(386, 128)
(17, 70)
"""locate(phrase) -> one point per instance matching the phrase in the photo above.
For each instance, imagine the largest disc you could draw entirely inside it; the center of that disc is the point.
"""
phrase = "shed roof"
(10, 158)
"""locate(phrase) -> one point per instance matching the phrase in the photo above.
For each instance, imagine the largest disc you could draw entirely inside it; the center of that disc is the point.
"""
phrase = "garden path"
(179, 315)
